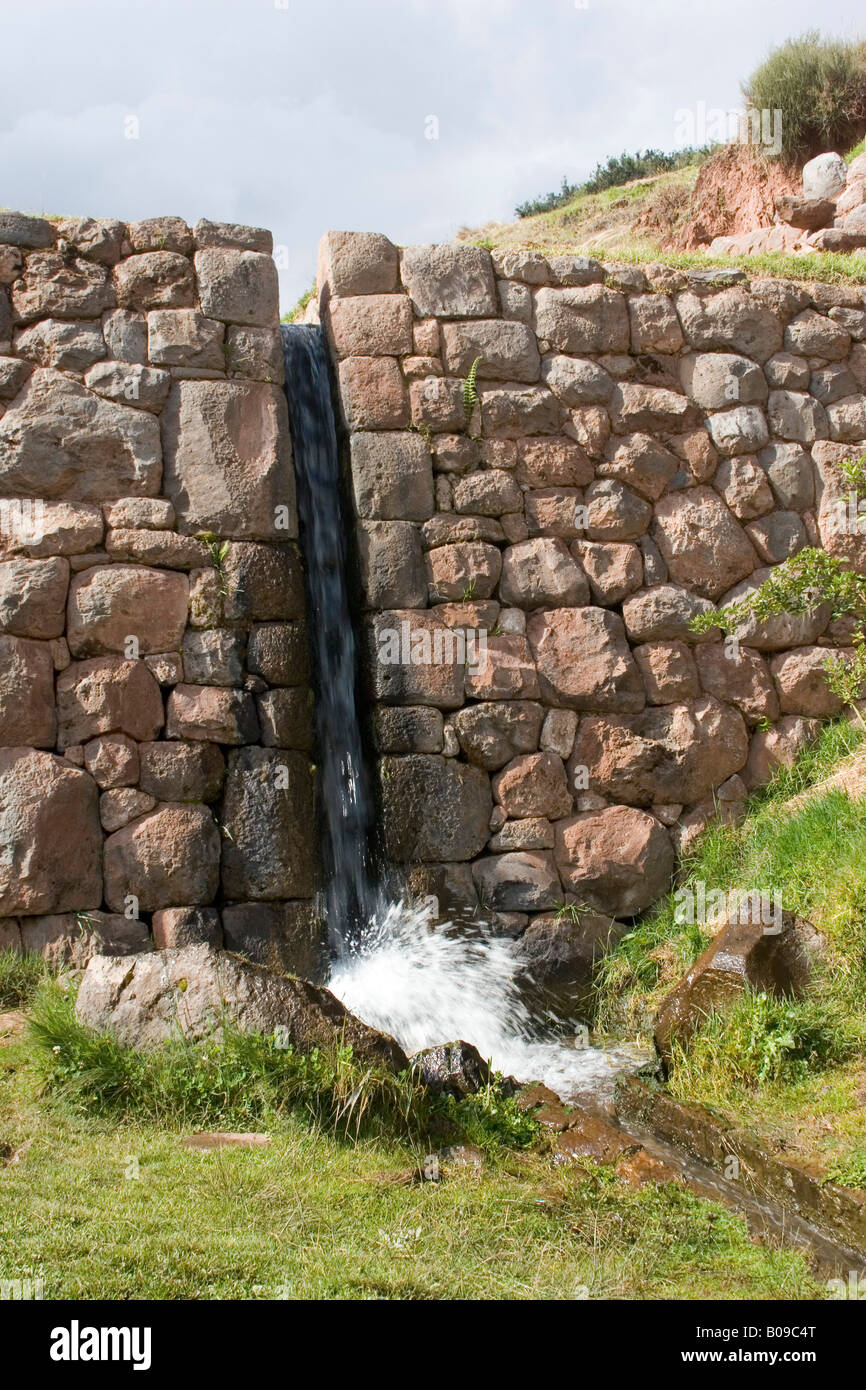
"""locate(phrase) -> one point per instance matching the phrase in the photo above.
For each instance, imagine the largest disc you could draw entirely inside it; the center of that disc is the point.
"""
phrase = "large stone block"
(167, 857)
(71, 345)
(371, 325)
(465, 569)
(393, 574)
(508, 350)
(33, 597)
(238, 286)
(584, 661)
(228, 466)
(731, 319)
(50, 840)
(279, 652)
(591, 319)
(26, 693)
(289, 937)
(618, 861)
(392, 477)
(59, 440)
(533, 784)
(702, 543)
(373, 394)
(411, 658)
(155, 280)
(60, 287)
(109, 604)
(541, 573)
(215, 714)
(268, 811)
(717, 380)
(518, 882)
(357, 263)
(433, 808)
(668, 754)
(181, 771)
(185, 338)
(493, 732)
(107, 695)
(450, 281)
(663, 613)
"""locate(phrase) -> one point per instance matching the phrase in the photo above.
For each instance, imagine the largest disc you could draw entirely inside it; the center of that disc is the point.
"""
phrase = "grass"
(110, 1207)
(246, 1080)
(790, 1071)
(20, 978)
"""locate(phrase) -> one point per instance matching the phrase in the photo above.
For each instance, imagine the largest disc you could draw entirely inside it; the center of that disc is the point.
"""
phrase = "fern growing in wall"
(470, 388)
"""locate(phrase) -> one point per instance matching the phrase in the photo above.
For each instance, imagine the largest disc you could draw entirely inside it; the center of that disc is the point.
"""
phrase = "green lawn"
(119, 1210)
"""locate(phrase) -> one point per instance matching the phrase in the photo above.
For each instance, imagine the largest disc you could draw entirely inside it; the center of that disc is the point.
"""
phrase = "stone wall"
(155, 712)
(645, 444)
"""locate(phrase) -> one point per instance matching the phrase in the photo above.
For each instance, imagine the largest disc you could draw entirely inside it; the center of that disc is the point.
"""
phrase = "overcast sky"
(301, 115)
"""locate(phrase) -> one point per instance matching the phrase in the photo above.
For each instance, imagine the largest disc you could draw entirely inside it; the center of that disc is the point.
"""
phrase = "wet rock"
(268, 811)
(557, 955)
(743, 954)
(455, 1068)
(521, 881)
(263, 582)
(433, 808)
(287, 936)
(589, 1136)
(193, 989)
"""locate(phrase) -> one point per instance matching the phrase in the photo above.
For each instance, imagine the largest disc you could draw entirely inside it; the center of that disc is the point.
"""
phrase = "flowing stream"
(392, 964)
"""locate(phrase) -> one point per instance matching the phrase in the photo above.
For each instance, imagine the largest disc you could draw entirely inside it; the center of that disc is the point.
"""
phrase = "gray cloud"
(311, 114)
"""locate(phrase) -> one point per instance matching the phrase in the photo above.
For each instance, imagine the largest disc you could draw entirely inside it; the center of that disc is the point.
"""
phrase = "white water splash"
(425, 984)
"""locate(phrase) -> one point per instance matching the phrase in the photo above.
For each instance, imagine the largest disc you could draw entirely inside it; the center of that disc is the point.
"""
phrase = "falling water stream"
(392, 964)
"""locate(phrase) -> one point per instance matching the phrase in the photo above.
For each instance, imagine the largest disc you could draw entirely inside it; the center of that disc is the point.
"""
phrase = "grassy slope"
(103, 1209)
(605, 224)
(795, 1074)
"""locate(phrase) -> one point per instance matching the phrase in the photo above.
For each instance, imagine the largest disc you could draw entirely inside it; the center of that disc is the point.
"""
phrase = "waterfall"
(351, 898)
(393, 964)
